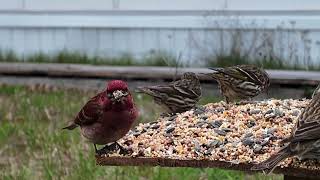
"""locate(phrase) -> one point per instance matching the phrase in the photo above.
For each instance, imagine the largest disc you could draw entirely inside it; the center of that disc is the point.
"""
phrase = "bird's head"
(117, 91)
(190, 75)
(193, 82)
(192, 78)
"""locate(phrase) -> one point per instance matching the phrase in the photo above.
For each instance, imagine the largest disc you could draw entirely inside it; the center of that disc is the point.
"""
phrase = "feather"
(177, 96)
(241, 81)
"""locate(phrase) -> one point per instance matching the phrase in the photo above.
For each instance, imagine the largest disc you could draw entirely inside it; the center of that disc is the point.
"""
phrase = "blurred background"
(40, 91)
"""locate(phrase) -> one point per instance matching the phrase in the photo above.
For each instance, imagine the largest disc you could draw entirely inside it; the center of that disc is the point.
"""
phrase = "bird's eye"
(109, 95)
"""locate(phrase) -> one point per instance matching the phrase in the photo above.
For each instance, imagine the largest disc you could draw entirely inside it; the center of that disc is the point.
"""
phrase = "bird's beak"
(118, 95)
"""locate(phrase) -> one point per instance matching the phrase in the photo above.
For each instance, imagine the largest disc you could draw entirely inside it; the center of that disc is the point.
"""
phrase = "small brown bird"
(108, 116)
(304, 141)
(178, 96)
(240, 81)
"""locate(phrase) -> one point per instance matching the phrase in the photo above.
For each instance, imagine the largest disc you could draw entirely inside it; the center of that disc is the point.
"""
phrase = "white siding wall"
(143, 5)
(288, 29)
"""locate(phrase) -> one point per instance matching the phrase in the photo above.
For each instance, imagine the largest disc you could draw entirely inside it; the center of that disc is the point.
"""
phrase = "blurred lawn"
(33, 146)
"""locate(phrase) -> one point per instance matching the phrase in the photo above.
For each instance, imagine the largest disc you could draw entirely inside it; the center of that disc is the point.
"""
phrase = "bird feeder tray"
(217, 135)
(288, 172)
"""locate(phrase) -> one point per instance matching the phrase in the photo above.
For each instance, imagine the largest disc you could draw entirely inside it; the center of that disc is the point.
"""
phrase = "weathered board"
(130, 161)
(135, 72)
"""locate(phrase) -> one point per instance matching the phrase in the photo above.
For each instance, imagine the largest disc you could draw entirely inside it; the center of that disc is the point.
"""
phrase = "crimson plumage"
(108, 116)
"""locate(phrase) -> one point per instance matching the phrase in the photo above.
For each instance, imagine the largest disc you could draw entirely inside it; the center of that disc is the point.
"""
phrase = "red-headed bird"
(178, 96)
(304, 141)
(240, 81)
(108, 116)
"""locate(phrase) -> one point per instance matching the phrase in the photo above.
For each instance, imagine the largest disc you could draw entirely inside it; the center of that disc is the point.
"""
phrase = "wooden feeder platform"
(288, 172)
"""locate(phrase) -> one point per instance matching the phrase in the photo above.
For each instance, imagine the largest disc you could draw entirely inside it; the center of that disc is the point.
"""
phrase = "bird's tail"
(71, 126)
(286, 140)
(270, 164)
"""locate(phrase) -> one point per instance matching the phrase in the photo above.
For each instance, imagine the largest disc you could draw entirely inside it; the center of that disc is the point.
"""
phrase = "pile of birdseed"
(247, 133)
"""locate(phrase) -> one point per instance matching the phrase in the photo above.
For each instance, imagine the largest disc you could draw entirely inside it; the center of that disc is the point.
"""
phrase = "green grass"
(33, 146)
(152, 59)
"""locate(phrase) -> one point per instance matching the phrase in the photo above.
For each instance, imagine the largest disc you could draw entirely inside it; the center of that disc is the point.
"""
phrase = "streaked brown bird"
(240, 81)
(107, 117)
(304, 141)
(178, 96)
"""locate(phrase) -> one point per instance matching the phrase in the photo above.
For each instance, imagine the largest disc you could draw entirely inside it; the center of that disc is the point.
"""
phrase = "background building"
(253, 29)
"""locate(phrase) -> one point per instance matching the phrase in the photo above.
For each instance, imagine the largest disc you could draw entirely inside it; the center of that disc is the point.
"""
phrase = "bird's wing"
(252, 73)
(175, 94)
(308, 126)
(187, 88)
(241, 72)
(307, 131)
(134, 113)
(90, 112)
(230, 72)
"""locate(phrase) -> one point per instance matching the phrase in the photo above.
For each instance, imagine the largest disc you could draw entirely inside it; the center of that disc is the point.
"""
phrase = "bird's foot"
(172, 118)
(122, 151)
(166, 115)
(199, 109)
(226, 105)
(112, 148)
(105, 150)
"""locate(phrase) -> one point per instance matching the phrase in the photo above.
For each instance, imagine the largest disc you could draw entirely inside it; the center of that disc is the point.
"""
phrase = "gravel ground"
(243, 133)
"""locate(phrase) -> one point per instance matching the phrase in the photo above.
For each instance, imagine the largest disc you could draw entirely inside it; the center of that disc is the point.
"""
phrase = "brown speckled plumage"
(241, 81)
(178, 96)
(304, 141)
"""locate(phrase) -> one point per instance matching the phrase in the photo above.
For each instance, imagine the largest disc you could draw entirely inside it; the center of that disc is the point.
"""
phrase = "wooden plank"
(18, 41)
(32, 41)
(106, 46)
(74, 40)
(120, 41)
(166, 40)
(46, 41)
(59, 39)
(298, 178)
(151, 39)
(136, 72)
(139, 161)
(135, 43)
(90, 41)
(5, 38)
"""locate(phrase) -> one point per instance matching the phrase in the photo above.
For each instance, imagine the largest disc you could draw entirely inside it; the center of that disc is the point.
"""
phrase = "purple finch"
(108, 116)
